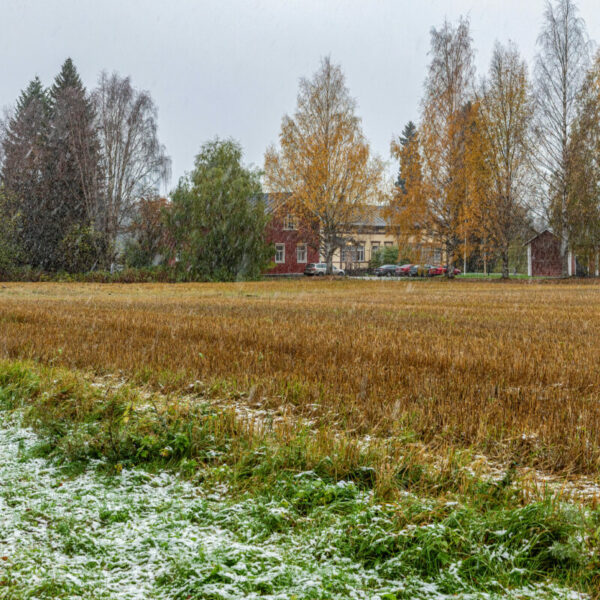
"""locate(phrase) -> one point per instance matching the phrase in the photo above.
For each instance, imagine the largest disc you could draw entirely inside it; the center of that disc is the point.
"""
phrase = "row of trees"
(213, 227)
(493, 159)
(488, 162)
(73, 167)
(79, 178)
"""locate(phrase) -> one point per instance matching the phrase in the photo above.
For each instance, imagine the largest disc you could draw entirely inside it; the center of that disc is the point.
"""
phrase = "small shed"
(543, 256)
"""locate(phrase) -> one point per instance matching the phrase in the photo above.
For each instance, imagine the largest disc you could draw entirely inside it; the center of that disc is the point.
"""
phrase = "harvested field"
(511, 370)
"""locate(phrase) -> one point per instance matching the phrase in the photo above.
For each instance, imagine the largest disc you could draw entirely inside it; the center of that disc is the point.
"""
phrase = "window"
(353, 254)
(289, 223)
(279, 253)
(301, 253)
(388, 244)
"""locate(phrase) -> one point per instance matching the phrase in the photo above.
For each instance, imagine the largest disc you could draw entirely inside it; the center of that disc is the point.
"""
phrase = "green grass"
(122, 495)
(483, 276)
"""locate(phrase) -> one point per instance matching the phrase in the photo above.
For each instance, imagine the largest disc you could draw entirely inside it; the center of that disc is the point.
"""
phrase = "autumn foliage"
(324, 168)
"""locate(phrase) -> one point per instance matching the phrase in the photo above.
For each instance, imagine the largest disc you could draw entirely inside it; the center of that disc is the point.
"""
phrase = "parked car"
(321, 269)
(436, 270)
(439, 270)
(419, 270)
(403, 270)
(386, 270)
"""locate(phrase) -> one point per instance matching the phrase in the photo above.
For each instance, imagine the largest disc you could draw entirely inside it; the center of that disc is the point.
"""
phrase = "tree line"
(74, 165)
(488, 161)
(509, 153)
(79, 180)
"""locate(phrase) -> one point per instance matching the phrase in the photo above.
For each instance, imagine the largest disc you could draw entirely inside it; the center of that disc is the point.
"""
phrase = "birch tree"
(559, 74)
(499, 151)
(134, 162)
(324, 167)
(584, 182)
(448, 88)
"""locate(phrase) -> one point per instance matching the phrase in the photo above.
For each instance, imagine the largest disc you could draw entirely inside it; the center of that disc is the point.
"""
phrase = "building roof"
(537, 235)
(372, 217)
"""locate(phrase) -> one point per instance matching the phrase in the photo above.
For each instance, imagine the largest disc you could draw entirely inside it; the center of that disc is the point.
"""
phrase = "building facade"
(543, 256)
(296, 244)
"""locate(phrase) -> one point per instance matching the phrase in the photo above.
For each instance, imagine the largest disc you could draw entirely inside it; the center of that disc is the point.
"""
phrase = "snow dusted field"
(140, 536)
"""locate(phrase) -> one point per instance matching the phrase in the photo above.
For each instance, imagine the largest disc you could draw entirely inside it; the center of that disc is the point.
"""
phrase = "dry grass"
(511, 370)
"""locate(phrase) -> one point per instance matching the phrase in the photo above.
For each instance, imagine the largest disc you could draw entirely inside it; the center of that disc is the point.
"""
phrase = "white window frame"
(280, 248)
(353, 254)
(289, 223)
(301, 248)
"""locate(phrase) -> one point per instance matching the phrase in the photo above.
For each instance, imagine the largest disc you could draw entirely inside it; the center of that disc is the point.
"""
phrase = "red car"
(403, 270)
(438, 270)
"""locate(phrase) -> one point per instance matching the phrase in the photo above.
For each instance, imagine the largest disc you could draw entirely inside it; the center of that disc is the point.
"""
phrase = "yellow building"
(370, 234)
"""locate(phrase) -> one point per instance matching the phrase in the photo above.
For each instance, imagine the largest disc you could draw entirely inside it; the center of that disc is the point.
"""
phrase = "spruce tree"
(23, 171)
(72, 166)
(408, 133)
(68, 78)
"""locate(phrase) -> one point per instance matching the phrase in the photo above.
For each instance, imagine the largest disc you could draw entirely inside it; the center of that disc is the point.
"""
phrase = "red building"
(296, 241)
(543, 256)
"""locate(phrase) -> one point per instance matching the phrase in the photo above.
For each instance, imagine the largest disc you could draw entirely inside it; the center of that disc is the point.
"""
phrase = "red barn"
(296, 241)
(543, 256)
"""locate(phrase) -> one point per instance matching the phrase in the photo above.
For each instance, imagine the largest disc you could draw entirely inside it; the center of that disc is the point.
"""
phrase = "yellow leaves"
(324, 162)
(497, 152)
(407, 211)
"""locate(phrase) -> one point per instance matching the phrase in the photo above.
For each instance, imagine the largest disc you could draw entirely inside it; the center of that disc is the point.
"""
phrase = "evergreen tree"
(9, 250)
(23, 171)
(408, 134)
(72, 167)
(217, 220)
(68, 78)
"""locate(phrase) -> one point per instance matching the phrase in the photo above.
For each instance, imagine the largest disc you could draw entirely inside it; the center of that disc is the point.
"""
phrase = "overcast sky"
(231, 67)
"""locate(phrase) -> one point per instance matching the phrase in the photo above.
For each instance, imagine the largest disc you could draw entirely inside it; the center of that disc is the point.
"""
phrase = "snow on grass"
(141, 536)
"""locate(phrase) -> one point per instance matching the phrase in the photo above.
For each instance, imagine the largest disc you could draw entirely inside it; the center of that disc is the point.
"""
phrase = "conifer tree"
(24, 168)
(408, 134)
(72, 164)
(406, 212)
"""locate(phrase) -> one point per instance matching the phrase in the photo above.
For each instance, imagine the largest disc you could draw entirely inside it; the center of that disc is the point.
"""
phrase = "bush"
(83, 249)
(143, 275)
(384, 256)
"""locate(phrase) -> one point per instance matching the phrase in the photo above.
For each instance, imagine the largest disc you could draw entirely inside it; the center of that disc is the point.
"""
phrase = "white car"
(321, 269)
